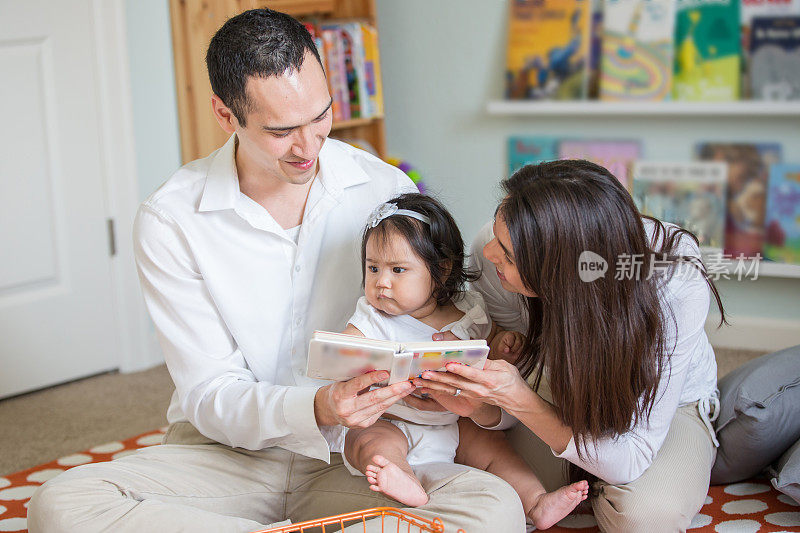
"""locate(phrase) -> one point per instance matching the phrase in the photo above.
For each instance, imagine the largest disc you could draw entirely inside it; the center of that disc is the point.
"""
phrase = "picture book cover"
(707, 50)
(745, 205)
(637, 50)
(750, 10)
(775, 58)
(691, 195)
(616, 156)
(782, 237)
(372, 68)
(339, 357)
(524, 150)
(336, 72)
(548, 49)
(356, 73)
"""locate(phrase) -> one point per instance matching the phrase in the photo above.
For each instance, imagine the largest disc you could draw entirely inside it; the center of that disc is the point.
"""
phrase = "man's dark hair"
(259, 42)
(438, 244)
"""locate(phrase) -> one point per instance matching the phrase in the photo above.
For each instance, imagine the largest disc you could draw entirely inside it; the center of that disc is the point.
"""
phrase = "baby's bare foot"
(386, 477)
(551, 507)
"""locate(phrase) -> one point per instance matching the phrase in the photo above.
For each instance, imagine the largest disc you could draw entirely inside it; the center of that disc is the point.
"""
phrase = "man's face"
(289, 118)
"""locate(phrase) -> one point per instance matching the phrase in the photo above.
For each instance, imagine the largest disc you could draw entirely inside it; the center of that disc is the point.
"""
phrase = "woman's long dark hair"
(601, 344)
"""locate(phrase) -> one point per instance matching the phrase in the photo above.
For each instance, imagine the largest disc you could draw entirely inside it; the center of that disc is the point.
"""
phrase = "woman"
(631, 373)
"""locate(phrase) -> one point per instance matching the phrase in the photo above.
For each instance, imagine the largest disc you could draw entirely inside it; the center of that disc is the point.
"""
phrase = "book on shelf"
(525, 149)
(782, 232)
(637, 50)
(595, 49)
(707, 50)
(691, 195)
(750, 10)
(339, 357)
(616, 156)
(337, 73)
(548, 49)
(351, 50)
(372, 70)
(775, 58)
(745, 205)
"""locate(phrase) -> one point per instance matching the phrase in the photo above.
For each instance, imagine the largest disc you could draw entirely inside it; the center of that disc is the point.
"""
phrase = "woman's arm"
(616, 460)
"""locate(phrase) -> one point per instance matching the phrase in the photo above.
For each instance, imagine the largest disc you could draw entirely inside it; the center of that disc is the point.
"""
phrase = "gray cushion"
(786, 473)
(759, 415)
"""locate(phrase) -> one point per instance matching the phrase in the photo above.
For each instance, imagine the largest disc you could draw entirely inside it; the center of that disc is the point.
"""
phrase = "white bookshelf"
(748, 270)
(742, 108)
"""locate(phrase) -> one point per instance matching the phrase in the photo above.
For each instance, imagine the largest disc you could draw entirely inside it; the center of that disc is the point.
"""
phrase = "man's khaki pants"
(665, 498)
(192, 484)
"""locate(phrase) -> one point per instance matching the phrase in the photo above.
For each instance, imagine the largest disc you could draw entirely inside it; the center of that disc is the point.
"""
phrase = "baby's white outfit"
(432, 435)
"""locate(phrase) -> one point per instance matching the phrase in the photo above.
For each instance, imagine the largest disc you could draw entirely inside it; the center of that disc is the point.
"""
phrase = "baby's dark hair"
(439, 245)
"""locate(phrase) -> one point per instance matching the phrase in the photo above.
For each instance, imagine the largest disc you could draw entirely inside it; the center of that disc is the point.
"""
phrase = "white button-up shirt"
(235, 300)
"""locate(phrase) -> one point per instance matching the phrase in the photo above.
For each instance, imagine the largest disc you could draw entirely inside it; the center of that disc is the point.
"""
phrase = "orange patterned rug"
(737, 508)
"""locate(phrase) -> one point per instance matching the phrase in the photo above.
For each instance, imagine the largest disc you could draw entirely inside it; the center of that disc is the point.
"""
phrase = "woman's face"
(500, 253)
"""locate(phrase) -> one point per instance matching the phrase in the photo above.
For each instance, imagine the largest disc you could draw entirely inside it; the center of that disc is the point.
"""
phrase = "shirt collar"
(337, 171)
(222, 181)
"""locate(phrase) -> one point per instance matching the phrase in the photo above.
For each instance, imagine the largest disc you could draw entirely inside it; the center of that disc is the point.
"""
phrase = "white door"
(56, 315)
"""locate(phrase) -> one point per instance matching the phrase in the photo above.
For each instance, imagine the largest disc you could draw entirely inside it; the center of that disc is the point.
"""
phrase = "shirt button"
(297, 268)
(297, 322)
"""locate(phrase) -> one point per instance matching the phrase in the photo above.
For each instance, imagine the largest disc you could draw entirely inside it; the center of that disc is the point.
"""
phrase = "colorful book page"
(775, 58)
(707, 50)
(691, 195)
(616, 156)
(748, 172)
(548, 48)
(637, 50)
(782, 232)
(524, 150)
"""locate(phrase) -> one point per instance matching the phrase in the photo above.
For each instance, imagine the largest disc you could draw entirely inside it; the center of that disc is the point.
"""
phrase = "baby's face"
(397, 281)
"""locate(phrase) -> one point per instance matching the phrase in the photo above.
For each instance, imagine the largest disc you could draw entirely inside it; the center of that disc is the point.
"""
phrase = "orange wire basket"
(391, 519)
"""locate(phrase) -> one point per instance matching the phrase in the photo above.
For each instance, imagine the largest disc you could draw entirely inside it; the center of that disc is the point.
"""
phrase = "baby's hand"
(507, 345)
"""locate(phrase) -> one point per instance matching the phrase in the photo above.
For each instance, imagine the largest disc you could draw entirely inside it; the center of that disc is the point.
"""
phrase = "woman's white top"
(691, 375)
(375, 324)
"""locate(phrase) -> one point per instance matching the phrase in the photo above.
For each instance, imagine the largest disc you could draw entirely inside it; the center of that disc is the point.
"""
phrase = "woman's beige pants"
(665, 498)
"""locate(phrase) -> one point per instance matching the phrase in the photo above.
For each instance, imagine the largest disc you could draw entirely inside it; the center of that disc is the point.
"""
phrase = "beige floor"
(45, 425)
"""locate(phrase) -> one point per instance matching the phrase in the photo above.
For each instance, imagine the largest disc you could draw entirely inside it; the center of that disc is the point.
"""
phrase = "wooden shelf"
(355, 123)
(302, 8)
(194, 22)
(742, 108)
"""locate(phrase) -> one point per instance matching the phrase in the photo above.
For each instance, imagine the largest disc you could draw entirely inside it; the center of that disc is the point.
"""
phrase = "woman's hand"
(499, 383)
(460, 405)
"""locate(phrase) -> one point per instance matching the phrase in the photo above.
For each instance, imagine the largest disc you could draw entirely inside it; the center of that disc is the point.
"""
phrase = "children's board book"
(548, 49)
(339, 357)
(524, 150)
(775, 58)
(748, 172)
(707, 50)
(616, 156)
(691, 195)
(782, 235)
(637, 50)
(752, 9)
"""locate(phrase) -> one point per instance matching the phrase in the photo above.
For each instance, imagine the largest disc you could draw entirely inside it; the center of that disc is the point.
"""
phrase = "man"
(241, 256)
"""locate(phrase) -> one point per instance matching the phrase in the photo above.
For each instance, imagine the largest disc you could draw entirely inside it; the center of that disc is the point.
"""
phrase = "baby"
(414, 277)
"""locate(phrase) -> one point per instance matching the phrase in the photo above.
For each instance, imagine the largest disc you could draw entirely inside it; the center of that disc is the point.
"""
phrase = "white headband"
(386, 210)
